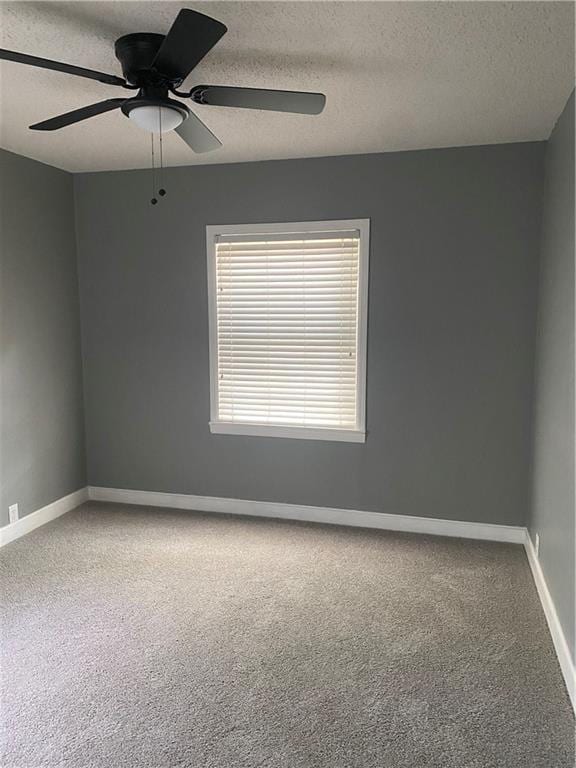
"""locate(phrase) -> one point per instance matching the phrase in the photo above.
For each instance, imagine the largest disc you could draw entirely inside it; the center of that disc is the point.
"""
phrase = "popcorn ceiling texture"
(405, 75)
(155, 639)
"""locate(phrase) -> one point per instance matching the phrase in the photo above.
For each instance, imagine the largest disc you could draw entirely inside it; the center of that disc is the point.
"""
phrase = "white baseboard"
(35, 519)
(351, 517)
(556, 631)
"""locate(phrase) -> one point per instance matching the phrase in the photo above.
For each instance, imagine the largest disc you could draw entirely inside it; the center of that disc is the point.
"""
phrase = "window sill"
(298, 433)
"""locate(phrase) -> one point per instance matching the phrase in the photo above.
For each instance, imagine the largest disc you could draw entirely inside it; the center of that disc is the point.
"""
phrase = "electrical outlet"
(13, 513)
(537, 543)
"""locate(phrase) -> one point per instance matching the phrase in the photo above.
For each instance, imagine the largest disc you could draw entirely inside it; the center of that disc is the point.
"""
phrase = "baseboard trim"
(41, 516)
(556, 631)
(334, 516)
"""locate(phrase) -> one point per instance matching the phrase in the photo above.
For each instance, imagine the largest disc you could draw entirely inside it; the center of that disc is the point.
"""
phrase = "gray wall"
(553, 502)
(451, 327)
(42, 430)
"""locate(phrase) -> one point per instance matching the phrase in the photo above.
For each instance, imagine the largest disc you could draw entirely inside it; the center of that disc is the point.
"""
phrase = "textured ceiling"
(397, 75)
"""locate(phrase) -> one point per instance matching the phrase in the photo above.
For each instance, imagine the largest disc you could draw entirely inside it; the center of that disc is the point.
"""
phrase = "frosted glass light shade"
(150, 118)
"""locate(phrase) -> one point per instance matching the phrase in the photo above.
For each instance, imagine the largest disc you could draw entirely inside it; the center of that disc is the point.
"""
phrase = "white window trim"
(357, 435)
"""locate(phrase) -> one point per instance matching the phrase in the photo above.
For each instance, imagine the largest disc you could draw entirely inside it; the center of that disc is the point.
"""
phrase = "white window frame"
(356, 435)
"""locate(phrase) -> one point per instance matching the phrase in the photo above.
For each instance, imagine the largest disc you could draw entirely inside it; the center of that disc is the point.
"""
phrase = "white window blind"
(287, 332)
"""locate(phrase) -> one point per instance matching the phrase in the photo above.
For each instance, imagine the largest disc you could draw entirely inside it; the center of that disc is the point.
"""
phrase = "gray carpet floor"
(143, 638)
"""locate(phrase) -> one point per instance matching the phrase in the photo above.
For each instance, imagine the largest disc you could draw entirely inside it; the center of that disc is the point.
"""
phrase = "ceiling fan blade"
(77, 115)
(197, 135)
(259, 98)
(190, 38)
(59, 66)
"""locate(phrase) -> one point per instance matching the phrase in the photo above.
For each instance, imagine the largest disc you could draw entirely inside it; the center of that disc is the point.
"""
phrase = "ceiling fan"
(156, 66)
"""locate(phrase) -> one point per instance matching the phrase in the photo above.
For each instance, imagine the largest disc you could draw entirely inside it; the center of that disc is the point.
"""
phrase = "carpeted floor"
(140, 638)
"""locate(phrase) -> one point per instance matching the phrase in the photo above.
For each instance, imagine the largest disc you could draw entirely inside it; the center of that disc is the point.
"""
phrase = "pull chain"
(154, 200)
(161, 191)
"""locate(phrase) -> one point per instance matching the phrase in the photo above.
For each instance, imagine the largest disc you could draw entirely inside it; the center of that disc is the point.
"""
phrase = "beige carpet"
(143, 638)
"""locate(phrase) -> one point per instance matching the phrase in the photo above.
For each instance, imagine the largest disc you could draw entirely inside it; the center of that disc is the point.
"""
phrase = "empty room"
(287, 395)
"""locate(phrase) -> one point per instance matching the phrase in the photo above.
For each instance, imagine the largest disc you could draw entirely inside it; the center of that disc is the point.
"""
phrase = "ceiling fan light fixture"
(156, 119)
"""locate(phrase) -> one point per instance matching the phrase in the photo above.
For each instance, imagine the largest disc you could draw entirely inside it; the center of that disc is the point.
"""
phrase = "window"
(288, 311)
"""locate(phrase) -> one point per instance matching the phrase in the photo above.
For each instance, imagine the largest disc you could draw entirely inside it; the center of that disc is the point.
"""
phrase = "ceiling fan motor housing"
(136, 54)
